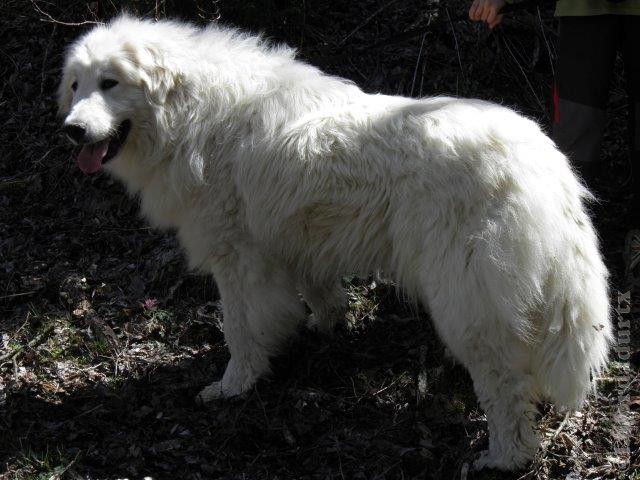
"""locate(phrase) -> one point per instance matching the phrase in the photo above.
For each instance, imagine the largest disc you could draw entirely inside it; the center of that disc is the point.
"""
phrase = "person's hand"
(486, 11)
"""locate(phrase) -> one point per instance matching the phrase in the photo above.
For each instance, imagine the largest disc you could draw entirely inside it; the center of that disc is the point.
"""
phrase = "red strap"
(556, 105)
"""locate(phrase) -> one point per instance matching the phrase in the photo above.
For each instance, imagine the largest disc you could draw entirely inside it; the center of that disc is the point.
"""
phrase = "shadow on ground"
(348, 404)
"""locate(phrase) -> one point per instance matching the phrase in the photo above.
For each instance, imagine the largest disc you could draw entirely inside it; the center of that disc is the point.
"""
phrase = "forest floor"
(107, 336)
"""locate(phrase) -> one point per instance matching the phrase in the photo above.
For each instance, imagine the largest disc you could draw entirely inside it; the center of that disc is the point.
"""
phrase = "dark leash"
(423, 30)
(419, 31)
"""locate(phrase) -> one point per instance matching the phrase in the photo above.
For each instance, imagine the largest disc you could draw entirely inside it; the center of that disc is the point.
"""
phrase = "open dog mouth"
(92, 156)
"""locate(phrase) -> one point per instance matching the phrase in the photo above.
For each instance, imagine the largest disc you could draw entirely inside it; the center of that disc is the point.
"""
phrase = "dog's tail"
(578, 333)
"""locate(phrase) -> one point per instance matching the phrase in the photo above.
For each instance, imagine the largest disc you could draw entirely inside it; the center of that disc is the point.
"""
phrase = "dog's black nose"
(74, 132)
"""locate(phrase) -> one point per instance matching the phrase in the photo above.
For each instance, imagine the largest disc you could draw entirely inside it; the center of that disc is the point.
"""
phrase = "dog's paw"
(238, 378)
(486, 459)
(321, 325)
(210, 393)
(216, 391)
(222, 389)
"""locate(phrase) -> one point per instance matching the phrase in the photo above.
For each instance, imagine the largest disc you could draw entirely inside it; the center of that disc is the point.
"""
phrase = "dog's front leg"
(261, 309)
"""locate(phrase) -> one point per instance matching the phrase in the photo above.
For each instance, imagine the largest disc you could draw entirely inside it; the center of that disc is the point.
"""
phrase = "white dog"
(279, 179)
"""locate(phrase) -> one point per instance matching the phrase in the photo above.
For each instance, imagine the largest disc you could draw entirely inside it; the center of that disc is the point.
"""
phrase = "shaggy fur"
(279, 179)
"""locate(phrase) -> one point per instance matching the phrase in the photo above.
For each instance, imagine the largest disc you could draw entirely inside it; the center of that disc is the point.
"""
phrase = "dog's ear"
(152, 70)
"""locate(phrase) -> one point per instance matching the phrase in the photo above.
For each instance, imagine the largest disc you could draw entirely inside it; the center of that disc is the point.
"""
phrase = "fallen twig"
(14, 295)
(49, 18)
(545, 446)
(41, 337)
(366, 20)
(455, 40)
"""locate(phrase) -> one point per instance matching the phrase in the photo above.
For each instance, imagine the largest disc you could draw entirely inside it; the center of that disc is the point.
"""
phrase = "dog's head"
(113, 79)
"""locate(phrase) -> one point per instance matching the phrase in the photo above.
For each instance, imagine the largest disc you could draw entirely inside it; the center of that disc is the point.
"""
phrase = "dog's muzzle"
(75, 133)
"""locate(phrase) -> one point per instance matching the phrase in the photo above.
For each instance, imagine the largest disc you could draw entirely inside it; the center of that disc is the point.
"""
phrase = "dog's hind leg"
(497, 361)
(261, 309)
(328, 304)
(506, 398)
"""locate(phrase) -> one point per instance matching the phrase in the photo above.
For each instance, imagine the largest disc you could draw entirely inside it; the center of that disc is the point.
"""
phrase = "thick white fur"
(279, 179)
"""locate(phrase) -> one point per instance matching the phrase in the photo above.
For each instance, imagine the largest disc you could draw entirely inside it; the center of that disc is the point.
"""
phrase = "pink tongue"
(90, 157)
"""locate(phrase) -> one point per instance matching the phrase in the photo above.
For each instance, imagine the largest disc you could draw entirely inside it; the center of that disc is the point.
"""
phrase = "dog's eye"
(74, 86)
(108, 83)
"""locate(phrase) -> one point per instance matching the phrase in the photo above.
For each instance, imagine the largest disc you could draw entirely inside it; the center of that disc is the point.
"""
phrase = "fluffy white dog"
(279, 179)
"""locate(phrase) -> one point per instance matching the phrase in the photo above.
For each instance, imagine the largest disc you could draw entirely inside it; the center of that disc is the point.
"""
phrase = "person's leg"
(631, 54)
(586, 56)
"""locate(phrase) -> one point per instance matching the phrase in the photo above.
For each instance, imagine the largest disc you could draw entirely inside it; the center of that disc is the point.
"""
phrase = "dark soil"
(113, 336)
